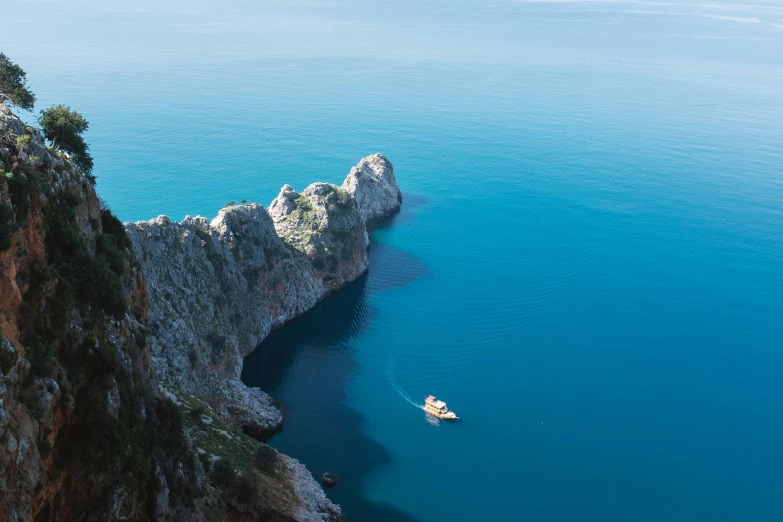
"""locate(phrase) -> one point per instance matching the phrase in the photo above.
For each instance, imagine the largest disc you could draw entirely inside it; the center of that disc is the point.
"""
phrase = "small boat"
(438, 408)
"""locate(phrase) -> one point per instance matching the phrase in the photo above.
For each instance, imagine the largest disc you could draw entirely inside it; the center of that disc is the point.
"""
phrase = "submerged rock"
(328, 479)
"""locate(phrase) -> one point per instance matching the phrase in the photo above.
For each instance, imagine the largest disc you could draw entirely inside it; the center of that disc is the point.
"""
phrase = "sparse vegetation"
(93, 279)
(13, 85)
(303, 204)
(247, 471)
(64, 127)
(224, 473)
(343, 197)
(113, 226)
(7, 226)
(7, 359)
(266, 460)
(217, 438)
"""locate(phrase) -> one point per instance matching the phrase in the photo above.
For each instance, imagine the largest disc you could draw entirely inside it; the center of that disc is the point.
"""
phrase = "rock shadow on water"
(407, 213)
(307, 364)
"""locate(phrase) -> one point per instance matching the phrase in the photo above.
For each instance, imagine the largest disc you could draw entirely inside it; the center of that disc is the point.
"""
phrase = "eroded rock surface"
(216, 289)
(374, 187)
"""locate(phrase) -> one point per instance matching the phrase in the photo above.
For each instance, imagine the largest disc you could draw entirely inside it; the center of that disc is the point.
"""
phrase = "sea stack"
(372, 184)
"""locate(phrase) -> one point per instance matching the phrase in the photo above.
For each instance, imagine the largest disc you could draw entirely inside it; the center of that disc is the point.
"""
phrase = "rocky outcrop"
(328, 479)
(216, 289)
(373, 186)
(324, 224)
(213, 297)
(315, 506)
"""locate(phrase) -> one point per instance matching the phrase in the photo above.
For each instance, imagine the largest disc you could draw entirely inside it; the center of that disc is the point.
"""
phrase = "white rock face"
(216, 289)
(324, 224)
(315, 507)
(373, 186)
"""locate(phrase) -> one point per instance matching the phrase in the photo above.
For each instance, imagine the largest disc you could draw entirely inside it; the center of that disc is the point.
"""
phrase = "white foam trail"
(398, 388)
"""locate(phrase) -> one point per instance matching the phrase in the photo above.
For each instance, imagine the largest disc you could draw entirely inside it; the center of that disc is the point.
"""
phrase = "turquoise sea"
(588, 266)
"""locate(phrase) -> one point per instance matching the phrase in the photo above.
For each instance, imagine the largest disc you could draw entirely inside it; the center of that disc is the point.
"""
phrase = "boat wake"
(398, 388)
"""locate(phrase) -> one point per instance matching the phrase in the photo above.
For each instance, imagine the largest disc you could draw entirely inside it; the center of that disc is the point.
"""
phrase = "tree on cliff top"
(64, 128)
(13, 88)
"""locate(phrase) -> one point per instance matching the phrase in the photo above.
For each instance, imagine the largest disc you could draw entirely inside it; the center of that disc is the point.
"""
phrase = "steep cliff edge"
(218, 288)
(371, 182)
(121, 346)
(79, 404)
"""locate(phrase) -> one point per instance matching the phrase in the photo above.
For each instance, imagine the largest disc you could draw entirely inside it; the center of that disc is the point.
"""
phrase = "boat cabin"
(436, 404)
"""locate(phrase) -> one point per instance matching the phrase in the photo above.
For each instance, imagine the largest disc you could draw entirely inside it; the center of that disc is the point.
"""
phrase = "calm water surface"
(589, 262)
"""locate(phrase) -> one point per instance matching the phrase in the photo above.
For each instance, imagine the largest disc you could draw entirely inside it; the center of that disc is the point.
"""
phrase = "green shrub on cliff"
(13, 85)
(111, 225)
(224, 473)
(266, 460)
(226, 476)
(246, 490)
(93, 279)
(6, 226)
(218, 343)
(64, 127)
(106, 247)
(22, 142)
(8, 357)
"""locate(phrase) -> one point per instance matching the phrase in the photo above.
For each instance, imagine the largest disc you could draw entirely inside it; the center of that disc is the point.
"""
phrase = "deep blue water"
(589, 262)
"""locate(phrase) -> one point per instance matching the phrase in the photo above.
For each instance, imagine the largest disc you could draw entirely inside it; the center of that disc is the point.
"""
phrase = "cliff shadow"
(407, 213)
(308, 363)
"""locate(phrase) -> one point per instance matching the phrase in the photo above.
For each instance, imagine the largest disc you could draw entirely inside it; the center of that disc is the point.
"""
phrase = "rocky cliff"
(374, 187)
(120, 351)
(79, 401)
(217, 288)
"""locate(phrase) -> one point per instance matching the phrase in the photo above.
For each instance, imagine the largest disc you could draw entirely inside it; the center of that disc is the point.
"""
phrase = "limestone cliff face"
(213, 297)
(374, 187)
(324, 224)
(216, 289)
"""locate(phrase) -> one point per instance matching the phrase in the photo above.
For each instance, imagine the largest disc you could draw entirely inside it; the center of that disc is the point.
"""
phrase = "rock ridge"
(217, 288)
